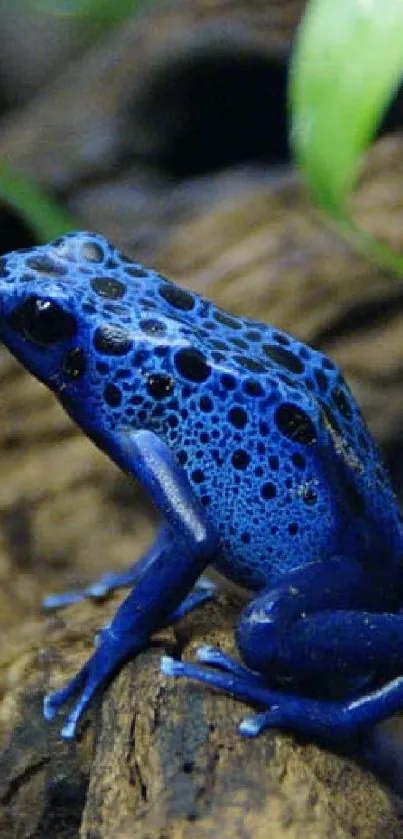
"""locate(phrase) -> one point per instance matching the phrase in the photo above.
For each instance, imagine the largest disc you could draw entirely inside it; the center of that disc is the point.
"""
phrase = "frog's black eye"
(43, 321)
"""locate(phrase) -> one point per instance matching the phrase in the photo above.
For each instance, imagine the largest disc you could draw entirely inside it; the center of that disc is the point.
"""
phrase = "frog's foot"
(327, 720)
(110, 581)
(95, 591)
(113, 650)
(234, 679)
(204, 589)
(214, 657)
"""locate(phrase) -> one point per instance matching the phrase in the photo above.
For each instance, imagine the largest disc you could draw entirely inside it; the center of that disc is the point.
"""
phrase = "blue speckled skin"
(256, 454)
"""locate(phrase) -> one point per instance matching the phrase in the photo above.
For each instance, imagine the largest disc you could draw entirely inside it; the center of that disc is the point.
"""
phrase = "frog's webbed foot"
(108, 582)
(112, 651)
(233, 678)
(317, 637)
(164, 590)
(97, 590)
(326, 720)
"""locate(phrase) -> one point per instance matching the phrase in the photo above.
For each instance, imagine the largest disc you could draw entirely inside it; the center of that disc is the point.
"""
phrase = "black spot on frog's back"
(253, 365)
(238, 417)
(44, 264)
(284, 357)
(296, 424)
(230, 321)
(110, 339)
(342, 402)
(90, 251)
(108, 287)
(160, 385)
(192, 364)
(152, 326)
(112, 395)
(177, 297)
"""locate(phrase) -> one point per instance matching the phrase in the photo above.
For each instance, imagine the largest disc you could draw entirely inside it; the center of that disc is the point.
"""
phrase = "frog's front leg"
(190, 545)
(327, 630)
(111, 581)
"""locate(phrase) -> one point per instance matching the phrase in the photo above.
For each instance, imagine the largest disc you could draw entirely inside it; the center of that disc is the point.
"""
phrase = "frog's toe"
(95, 591)
(102, 634)
(257, 723)
(53, 702)
(58, 601)
(170, 666)
(214, 657)
(69, 729)
(50, 706)
(228, 676)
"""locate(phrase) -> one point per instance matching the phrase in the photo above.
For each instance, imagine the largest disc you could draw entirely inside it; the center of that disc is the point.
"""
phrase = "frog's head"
(52, 300)
(38, 313)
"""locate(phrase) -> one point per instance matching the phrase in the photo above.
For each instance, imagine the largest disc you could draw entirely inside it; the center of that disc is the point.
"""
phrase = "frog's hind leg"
(325, 719)
(319, 639)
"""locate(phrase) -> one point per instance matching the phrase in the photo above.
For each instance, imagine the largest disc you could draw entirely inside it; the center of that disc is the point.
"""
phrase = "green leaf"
(43, 215)
(97, 13)
(346, 67)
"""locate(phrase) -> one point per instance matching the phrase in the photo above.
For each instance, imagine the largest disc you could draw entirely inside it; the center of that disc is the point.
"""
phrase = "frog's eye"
(43, 321)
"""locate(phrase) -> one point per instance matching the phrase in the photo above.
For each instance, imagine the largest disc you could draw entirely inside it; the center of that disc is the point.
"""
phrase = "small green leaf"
(347, 65)
(97, 13)
(41, 213)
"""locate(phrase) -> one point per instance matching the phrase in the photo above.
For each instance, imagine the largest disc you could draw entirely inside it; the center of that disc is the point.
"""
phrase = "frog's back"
(270, 436)
(296, 474)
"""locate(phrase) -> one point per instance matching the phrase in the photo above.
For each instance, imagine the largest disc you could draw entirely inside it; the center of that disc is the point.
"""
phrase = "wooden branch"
(162, 758)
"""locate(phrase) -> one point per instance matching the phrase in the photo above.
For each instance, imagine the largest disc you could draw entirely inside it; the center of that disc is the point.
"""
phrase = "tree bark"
(162, 758)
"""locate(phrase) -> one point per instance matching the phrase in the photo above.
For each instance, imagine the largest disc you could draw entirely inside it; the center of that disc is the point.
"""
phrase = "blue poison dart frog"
(255, 453)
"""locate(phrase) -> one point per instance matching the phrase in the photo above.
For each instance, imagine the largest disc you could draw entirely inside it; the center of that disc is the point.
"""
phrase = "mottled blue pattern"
(266, 429)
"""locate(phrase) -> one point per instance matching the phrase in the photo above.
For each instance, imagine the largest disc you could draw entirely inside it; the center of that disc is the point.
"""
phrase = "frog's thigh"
(320, 622)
